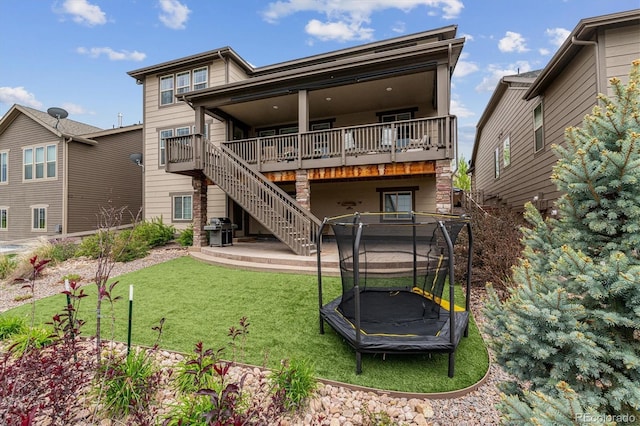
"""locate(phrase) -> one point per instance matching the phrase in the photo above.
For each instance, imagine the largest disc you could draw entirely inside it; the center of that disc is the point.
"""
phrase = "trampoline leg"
(321, 326)
(452, 360)
(466, 331)
(358, 362)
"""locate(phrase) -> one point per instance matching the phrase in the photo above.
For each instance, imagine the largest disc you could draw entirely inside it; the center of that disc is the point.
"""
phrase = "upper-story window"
(4, 218)
(200, 78)
(182, 82)
(538, 125)
(40, 162)
(4, 167)
(166, 90)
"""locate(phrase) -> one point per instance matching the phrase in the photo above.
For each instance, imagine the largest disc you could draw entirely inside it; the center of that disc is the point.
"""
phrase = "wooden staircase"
(273, 208)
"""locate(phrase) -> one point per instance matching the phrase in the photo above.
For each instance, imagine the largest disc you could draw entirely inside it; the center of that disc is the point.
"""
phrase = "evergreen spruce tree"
(569, 331)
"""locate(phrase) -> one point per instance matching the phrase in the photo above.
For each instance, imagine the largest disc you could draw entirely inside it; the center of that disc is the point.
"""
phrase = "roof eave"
(584, 31)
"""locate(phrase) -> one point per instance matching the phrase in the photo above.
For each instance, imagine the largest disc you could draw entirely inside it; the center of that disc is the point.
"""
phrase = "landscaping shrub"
(293, 383)
(185, 239)
(128, 384)
(8, 263)
(154, 232)
(62, 250)
(10, 325)
(496, 246)
(124, 246)
(30, 338)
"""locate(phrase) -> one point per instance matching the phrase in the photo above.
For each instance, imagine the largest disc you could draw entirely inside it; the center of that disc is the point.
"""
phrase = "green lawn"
(202, 301)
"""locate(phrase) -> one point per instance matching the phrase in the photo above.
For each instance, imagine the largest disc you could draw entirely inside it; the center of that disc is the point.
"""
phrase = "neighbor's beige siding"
(622, 46)
(103, 177)
(19, 195)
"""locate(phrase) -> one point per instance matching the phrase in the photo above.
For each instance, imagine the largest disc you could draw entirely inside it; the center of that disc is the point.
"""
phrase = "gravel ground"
(335, 405)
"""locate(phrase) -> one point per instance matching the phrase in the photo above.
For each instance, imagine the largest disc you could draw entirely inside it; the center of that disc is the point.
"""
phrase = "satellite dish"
(57, 113)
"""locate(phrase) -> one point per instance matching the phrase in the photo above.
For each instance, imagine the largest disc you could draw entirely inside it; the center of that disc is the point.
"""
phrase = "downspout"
(65, 185)
(226, 67)
(577, 42)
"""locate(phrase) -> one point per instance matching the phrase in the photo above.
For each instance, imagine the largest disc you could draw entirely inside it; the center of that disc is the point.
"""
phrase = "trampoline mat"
(395, 312)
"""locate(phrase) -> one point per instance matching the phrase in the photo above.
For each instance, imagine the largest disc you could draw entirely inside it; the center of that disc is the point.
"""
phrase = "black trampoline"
(394, 268)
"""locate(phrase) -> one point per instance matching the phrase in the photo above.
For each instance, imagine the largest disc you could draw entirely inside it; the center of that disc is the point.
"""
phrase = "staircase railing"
(267, 203)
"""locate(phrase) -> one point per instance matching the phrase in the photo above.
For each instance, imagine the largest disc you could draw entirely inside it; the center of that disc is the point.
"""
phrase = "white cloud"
(18, 95)
(399, 27)
(174, 14)
(467, 37)
(496, 72)
(339, 31)
(112, 55)
(512, 42)
(460, 110)
(84, 13)
(347, 19)
(543, 51)
(557, 36)
(464, 68)
(75, 109)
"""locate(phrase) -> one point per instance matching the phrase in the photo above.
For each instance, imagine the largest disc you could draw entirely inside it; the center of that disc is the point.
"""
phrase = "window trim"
(172, 89)
(33, 165)
(182, 195)
(496, 163)
(538, 127)
(44, 209)
(4, 209)
(4, 167)
(202, 71)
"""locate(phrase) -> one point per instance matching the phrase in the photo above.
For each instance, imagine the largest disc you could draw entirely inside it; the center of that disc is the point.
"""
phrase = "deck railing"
(425, 134)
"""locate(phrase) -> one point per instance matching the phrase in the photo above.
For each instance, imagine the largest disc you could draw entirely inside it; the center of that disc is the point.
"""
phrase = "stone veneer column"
(303, 189)
(444, 190)
(199, 211)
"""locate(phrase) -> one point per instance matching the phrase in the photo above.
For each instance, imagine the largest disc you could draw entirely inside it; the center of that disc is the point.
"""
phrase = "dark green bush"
(128, 246)
(154, 232)
(123, 246)
(62, 250)
(185, 239)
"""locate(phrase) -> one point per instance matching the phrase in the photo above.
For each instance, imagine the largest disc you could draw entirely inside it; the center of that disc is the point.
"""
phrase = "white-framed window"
(200, 78)
(506, 151)
(40, 162)
(162, 150)
(538, 128)
(182, 208)
(39, 218)
(166, 90)
(397, 201)
(183, 82)
(496, 163)
(4, 167)
(4, 218)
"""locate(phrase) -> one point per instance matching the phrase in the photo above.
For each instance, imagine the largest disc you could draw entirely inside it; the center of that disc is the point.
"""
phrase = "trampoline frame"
(457, 323)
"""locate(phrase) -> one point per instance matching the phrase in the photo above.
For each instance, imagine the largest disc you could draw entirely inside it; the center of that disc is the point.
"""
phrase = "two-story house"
(56, 174)
(274, 148)
(512, 157)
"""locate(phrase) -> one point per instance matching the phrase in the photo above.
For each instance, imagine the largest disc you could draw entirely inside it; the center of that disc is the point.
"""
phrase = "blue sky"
(75, 54)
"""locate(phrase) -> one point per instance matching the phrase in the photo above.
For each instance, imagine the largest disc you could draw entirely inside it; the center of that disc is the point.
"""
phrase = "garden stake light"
(130, 313)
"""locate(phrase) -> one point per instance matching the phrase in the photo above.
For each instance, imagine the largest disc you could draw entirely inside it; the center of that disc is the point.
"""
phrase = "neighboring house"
(512, 158)
(56, 174)
(274, 148)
